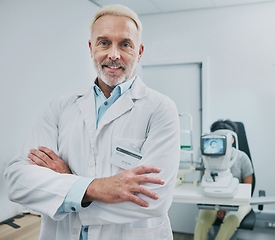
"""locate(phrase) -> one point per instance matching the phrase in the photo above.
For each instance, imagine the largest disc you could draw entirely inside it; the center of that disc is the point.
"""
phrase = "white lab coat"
(141, 120)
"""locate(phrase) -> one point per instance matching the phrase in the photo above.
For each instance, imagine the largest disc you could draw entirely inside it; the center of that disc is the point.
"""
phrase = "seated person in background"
(241, 169)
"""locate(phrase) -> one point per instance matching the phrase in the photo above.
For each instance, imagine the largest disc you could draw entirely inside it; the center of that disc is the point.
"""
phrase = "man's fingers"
(32, 162)
(146, 169)
(36, 160)
(145, 191)
(50, 153)
(40, 157)
(45, 154)
(137, 200)
(146, 178)
(45, 157)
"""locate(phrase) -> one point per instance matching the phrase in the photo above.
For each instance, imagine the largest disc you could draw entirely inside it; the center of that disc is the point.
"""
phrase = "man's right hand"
(124, 186)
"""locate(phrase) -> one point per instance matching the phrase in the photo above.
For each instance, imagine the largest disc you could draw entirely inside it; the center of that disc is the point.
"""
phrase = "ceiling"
(144, 7)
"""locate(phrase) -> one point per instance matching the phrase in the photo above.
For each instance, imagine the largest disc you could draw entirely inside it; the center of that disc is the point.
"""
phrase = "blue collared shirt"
(72, 202)
(102, 103)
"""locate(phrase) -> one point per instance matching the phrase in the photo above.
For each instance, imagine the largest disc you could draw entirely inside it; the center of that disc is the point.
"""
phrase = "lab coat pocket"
(126, 153)
(160, 232)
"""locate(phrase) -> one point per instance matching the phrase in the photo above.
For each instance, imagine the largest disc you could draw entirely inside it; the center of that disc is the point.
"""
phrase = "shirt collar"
(121, 88)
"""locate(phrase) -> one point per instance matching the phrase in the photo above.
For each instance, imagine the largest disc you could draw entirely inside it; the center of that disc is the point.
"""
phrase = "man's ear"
(90, 46)
(140, 51)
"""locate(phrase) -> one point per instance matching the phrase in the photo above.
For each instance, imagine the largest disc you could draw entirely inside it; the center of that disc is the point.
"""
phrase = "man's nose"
(114, 53)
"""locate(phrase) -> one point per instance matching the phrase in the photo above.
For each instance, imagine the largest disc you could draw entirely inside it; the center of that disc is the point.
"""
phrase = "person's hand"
(124, 186)
(45, 157)
(220, 214)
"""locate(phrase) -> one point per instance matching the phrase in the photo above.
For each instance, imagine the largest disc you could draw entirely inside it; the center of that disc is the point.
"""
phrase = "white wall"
(44, 54)
(239, 44)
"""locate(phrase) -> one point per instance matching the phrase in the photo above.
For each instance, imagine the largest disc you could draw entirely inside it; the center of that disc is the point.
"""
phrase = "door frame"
(204, 63)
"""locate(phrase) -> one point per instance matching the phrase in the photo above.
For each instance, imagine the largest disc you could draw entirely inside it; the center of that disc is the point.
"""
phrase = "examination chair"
(249, 221)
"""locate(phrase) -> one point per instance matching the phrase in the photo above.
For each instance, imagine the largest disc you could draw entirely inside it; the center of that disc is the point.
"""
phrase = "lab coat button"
(85, 229)
(73, 208)
(91, 163)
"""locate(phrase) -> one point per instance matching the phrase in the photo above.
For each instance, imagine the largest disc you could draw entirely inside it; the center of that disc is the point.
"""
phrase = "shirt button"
(73, 208)
(105, 103)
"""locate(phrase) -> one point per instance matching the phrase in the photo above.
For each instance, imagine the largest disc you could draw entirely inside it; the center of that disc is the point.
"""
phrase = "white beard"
(112, 79)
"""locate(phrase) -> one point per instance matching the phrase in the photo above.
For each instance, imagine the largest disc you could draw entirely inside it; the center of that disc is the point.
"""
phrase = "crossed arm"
(118, 188)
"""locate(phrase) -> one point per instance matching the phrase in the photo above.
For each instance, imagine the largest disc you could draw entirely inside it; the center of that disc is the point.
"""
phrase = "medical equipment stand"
(186, 147)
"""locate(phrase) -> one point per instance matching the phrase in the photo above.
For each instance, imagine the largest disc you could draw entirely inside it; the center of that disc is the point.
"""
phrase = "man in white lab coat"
(101, 164)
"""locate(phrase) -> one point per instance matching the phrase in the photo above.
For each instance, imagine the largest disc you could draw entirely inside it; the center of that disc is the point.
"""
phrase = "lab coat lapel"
(122, 105)
(86, 104)
(125, 103)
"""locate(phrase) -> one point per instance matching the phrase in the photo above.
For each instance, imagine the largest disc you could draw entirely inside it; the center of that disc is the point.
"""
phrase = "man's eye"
(125, 45)
(103, 43)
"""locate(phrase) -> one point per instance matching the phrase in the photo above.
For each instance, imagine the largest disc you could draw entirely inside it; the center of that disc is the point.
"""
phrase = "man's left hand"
(45, 157)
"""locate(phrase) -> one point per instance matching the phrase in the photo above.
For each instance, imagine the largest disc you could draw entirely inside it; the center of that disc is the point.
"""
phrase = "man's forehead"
(116, 17)
(106, 38)
(110, 26)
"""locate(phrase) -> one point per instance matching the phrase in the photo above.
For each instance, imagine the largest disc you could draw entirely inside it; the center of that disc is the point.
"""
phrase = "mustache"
(113, 63)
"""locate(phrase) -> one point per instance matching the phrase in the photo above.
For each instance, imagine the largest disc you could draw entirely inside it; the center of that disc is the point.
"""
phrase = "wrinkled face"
(115, 48)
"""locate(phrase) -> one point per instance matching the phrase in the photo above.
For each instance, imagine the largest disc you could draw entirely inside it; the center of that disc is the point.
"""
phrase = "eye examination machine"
(216, 149)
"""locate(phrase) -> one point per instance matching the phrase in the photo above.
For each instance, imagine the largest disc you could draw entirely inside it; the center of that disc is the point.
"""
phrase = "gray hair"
(118, 10)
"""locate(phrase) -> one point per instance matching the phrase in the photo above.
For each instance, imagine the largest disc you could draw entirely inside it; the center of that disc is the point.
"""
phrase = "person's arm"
(119, 188)
(124, 187)
(73, 199)
(45, 157)
(248, 179)
(37, 188)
